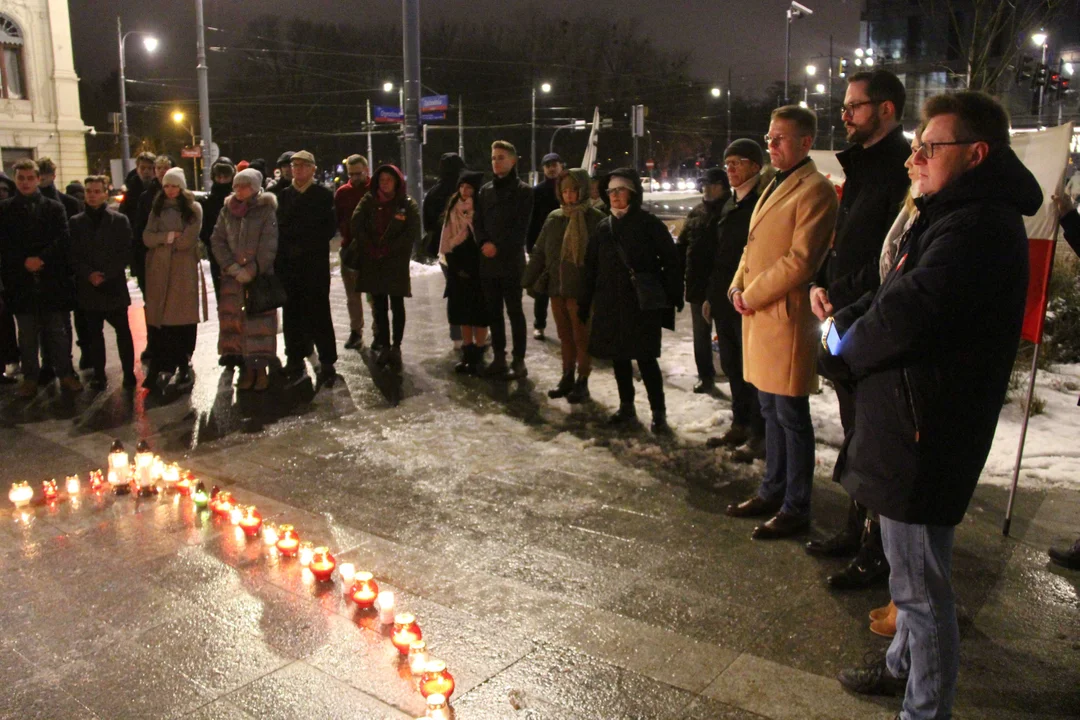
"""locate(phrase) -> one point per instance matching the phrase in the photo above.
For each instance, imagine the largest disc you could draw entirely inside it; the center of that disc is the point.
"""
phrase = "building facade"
(39, 90)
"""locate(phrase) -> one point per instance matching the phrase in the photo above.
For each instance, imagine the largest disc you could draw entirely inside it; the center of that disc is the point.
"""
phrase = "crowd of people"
(906, 290)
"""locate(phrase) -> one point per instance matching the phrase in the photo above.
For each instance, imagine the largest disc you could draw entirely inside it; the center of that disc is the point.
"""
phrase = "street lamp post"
(178, 118)
(150, 43)
(795, 10)
(545, 88)
(1040, 39)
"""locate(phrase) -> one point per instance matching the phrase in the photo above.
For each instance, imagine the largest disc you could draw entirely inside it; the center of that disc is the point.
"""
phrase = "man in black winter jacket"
(545, 202)
(47, 186)
(503, 208)
(162, 165)
(135, 185)
(931, 354)
(875, 185)
(306, 225)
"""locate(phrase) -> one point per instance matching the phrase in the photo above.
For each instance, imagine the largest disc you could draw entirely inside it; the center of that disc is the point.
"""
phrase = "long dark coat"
(620, 330)
(172, 271)
(382, 263)
(104, 248)
(35, 226)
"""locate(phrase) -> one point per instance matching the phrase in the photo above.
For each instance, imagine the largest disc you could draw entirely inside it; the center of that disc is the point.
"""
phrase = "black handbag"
(649, 286)
(263, 294)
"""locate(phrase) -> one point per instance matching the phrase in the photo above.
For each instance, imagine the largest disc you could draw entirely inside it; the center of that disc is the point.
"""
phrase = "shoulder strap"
(621, 252)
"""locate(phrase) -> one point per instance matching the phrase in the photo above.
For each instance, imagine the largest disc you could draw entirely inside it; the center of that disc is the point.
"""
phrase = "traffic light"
(1024, 68)
(843, 67)
(1039, 78)
(1052, 81)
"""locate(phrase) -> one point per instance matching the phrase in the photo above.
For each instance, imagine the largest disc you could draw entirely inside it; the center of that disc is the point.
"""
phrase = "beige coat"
(172, 270)
(790, 232)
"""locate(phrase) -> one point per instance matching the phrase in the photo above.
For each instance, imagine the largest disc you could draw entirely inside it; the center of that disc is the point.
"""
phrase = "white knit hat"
(248, 176)
(175, 177)
(618, 181)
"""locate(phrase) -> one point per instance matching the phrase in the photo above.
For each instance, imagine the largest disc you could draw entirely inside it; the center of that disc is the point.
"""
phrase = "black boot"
(566, 384)
(626, 415)
(580, 393)
(1066, 557)
(845, 543)
(465, 365)
(497, 367)
(659, 423)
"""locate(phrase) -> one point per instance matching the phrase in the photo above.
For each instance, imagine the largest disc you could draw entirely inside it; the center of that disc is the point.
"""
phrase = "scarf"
(238, 208)
(458, 225)
(576, 234)
(620, 213)
(894, 239)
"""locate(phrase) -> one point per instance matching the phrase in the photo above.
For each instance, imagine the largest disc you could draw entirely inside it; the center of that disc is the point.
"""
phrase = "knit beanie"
(175, 177)
(248, 176)
(745, 148)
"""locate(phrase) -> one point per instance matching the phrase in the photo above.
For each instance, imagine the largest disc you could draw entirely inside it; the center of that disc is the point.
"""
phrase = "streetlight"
(388, 86)
(150, 43)
(544, 88)
(178, 118)
(1040, 38)
(796, 10)
(716, 92)
(811, 71)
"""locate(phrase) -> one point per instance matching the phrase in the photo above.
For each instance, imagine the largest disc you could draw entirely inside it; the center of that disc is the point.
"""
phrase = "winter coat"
(9, 184)
(932, 351)
(133, 190)
(545, 202)
(142, 216)
(548, 272)
(212, 205)
(248, 243)
(731, 233)
(306, 225)
(346, 198)
(382, 262)
(790, 231)
(503, 209)
(172, 270)
(35, 226)
(71, 205)
(1070, 228)
(450, 166)
(875, 184)
(696, 246)
(100, 243)
(620, 330)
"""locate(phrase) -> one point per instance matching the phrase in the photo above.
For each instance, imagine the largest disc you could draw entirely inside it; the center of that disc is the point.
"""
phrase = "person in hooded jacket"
(346, 198)
(931, 353)
(385, 228)
(9, 345)
(545, 201)
(450, 167)
(631, 240)
(244, 241)
(172, 280)
(555, 267)
(460, 257)
(221, 172)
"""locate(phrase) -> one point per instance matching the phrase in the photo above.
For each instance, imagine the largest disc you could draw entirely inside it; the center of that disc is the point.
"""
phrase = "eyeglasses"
(732, 164)
(612, 191)
(851, 107)
(927, 149)
(777, 139)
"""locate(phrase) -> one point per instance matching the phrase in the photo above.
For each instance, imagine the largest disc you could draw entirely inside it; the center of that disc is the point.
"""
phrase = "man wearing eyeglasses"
(790, 231)
(875, 183)
(931, 353)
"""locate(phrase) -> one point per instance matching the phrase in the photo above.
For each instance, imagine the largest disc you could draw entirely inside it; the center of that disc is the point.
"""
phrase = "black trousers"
(846, 399)
(540, 311)
(702, 343)
(381, 306)
(306, 315)
(650, 375)
(9, 343)
(745, 408)
(500, 292)
(94, 339)
(174, 346)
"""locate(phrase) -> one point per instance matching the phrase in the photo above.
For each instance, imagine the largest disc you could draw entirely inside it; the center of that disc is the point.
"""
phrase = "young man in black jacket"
(875, 183)
(221, 173)
(100, 253)
(503, 208)
(931, 353)
(306, 225)
(545, 202)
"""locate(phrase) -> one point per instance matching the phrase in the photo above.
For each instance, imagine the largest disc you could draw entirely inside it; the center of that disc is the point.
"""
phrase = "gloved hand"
(245, 275)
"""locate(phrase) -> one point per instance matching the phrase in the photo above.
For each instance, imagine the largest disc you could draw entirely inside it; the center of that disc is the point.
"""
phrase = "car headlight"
(665, 185)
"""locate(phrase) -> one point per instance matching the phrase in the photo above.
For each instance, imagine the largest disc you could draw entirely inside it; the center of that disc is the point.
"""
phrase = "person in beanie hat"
(697, 247)
(630, 240)
(244, 242)
(346, 198)
(306, 225)
(76, 190)
(746, 436)
(221, 173)
(284, 165)
(545, 202)
(465, 305)
(172, 280)
(450, 166)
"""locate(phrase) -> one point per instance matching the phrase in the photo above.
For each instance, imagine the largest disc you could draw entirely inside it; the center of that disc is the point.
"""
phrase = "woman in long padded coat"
(244, 243)
(621, 331)
(171, 236)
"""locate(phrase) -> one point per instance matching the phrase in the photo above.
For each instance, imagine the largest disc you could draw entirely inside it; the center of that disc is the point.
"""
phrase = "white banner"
(1045, 154)
(590, 148)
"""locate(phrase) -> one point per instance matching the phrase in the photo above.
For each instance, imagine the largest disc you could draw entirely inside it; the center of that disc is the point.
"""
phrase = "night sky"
(747, 36)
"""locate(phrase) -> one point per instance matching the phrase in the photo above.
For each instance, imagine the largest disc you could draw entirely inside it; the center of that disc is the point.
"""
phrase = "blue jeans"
(927, 643)
(789, 452)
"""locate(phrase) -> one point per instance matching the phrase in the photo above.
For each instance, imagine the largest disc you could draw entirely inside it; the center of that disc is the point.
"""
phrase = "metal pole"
(729, 106)
(204, 94)
(532, 159)
(460, 127)
(414, 162)
(125, 146)
(1023, 435)
(832, 131)
(787, 54)
(370, 155)
(1042, 87)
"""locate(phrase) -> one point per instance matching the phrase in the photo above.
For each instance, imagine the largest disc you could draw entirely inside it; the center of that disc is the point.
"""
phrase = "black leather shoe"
(704, 387)
(626, 415)
(754, 507)
(753, 449)
(872, 679)
(353, 342)
(733, 438)
(867, 569)
(843, 544)
(660, 425)
(781, 525)
(1067, 558)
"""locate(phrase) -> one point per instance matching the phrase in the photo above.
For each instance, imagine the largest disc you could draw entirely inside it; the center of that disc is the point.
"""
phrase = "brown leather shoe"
(882, 612)
(262, 379)
(781, 525)
(754, 507)
(71, 384)
(885, 626)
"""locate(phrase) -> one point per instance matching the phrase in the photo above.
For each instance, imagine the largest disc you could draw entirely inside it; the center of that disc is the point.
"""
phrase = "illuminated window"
(12, 84)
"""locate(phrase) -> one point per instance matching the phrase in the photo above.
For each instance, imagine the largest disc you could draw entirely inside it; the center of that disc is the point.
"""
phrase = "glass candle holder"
(251, 521)
(436, 680)
(322, 564)
(270, 533)
(347, 571)
(186, 484)
(21, 494)
(437, 707)
(224, 504)
(405, 632)
(365, 591)
(144, 464)
(236, 514)
(49, 491)
(385, 603)
(200, 497)
(72, 484)
(418, 657)
(118, 463)
(97, 481)
(170, 476)
(305, 553)
(288, 541)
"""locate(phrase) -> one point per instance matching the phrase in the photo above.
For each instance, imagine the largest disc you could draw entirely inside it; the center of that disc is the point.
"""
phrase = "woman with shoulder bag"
(172, 280)
(632, 287)
(555, 268)
(244, 243)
